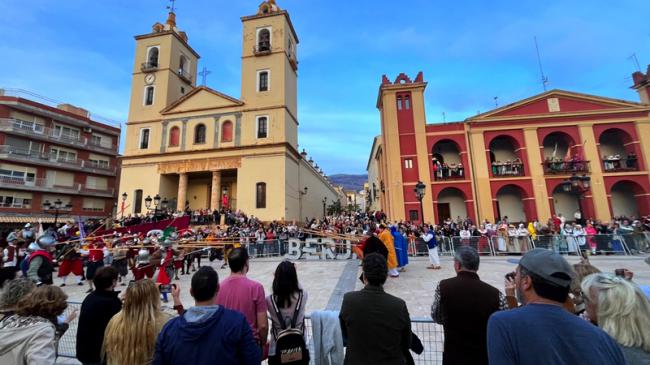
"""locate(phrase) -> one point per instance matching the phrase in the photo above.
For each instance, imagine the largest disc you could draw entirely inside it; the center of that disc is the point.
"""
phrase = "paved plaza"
(327, 281)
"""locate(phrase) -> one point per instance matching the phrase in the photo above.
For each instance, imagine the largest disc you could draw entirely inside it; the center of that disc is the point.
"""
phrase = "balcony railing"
(148, 66)
(617, 164)
(445, 172)
(50, 159)
(565, 167)
(507, 169)
(42, 184)
(262, 48)
(49, 134)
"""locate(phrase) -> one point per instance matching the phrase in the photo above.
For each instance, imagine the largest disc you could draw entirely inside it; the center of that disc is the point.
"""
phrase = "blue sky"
(81, 52)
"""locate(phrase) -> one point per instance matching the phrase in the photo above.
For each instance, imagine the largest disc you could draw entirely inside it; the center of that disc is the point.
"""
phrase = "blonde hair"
(623, 309)
(130, 336)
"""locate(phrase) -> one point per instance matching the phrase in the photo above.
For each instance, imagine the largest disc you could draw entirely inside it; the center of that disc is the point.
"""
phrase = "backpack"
(290, 347)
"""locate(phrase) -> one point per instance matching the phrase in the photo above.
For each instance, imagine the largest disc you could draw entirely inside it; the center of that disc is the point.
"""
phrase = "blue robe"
(401, 247)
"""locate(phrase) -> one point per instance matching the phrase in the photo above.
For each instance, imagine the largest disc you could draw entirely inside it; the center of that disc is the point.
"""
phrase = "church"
(198, 148)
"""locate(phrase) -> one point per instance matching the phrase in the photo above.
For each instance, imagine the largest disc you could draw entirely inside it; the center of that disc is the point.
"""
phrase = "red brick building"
(53, 152)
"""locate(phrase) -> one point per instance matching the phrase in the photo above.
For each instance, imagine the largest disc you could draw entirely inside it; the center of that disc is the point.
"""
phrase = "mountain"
(349, 182)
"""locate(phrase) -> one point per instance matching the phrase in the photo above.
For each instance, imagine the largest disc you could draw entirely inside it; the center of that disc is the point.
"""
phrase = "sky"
(470, 51)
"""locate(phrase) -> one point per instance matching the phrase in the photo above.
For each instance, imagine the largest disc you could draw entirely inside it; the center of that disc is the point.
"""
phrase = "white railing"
(39, 131)
(44, 157)
(48, 185)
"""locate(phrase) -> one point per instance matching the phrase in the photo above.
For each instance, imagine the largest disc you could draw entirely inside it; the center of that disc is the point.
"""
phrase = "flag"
(568, 153)
(82, 232)
(40, 228)
(554, 151)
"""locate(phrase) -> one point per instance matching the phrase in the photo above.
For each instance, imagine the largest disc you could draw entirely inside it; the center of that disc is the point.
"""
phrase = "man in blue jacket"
(207, 333)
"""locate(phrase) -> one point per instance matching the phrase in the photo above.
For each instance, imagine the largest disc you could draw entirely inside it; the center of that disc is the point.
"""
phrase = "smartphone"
(166, 288)
(619, 272)
(510, 276)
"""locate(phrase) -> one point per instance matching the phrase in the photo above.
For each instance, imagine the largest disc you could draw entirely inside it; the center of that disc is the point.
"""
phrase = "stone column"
(182, 191)
(216, 190)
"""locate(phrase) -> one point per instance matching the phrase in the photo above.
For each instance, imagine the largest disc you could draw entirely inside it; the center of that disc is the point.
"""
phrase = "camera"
(166, 288)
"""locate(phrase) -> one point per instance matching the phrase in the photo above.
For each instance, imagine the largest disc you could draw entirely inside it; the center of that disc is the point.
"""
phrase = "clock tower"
(164, 70)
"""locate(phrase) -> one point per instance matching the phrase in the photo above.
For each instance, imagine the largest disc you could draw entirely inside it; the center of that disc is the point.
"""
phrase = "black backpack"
(290, 347)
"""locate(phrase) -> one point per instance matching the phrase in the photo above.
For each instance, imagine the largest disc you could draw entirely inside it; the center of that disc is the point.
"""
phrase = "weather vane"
(173, 6)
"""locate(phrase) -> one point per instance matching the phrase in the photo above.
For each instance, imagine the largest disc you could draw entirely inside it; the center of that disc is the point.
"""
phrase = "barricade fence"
(609, 244)
(431, 335)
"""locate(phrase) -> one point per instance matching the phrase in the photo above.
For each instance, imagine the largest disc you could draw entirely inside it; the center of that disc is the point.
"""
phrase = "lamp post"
(156, 202)
(56, 207)
(324, 207)
(124, 197)
(577, 185)
(419, 194)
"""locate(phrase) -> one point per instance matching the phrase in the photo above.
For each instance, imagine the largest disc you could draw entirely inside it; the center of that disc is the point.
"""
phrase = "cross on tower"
(173, 6)
(204, 75)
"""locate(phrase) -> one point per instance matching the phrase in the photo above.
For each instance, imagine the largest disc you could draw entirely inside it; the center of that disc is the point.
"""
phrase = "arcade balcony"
(562, 167)
(617, 164)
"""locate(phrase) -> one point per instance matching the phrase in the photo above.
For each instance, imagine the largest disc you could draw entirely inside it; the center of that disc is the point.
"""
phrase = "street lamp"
(419, 194)
(324, 205)
(577, 185)
(56, 207)
(157, 200)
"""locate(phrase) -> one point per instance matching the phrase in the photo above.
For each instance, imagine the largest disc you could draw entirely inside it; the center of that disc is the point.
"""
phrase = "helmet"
(143, 256)
(28, 234)
(46, 241)
(167, 243)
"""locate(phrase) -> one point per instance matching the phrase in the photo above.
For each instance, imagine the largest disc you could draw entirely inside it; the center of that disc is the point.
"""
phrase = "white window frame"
(148, 138)
(144, 96)
(60, 130)
(56, 152)
(257, 36)
(268, 80)
(257, 124)
(408, 163)
(149, 53)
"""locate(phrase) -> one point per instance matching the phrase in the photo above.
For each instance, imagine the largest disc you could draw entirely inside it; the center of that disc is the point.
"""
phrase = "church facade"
(201, 149)
(554, 153)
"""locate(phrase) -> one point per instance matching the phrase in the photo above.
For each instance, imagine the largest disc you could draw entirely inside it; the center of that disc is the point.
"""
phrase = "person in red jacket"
(95, 254)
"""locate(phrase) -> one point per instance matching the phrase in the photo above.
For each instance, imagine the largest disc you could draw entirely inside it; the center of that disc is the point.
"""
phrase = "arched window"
(152, 57)
(174, 136)
(260, 195)
(199, 134)
(226, 131)
(264, 40)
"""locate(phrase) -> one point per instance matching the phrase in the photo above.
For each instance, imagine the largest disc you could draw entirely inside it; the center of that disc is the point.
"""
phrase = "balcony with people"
(505, 157)
(562, 155)
(617, 149)
(446, 161)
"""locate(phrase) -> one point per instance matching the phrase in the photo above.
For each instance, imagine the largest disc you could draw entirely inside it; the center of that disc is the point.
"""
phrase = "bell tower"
(269, 61)
(164, 70)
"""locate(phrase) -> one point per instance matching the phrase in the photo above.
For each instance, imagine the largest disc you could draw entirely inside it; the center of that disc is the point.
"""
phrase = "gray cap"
(548, 265)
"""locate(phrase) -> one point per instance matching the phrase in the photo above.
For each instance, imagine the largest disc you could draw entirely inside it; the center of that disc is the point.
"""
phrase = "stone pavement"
(327, 281)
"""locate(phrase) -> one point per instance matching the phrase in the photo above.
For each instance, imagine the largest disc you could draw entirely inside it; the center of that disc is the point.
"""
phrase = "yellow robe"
(387, 238)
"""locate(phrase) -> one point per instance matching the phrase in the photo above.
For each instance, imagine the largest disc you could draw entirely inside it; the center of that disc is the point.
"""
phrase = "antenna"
(172, 7)
(444, 117)
(496, 101)
(636, 61)
(539, 61)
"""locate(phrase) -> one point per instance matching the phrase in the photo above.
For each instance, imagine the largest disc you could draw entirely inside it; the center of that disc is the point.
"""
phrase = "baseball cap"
(548, 265)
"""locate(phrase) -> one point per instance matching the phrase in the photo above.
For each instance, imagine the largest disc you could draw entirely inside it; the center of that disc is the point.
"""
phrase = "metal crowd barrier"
(431, 335)
(67, 343)
(480, 243)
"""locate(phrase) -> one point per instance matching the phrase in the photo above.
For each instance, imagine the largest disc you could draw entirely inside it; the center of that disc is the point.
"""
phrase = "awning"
(31, 219)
